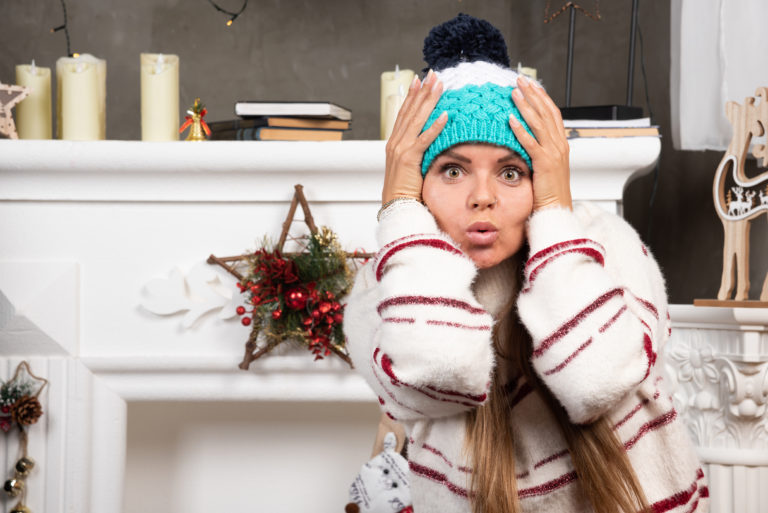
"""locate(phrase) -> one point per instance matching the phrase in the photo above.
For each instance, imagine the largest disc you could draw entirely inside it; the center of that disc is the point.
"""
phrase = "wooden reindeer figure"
(748, 120)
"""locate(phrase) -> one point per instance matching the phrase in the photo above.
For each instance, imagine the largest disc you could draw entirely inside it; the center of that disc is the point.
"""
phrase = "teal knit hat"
(469, 57)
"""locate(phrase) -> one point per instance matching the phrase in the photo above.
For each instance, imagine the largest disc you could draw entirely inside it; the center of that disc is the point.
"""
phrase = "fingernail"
(521, 80)
(513, 120)
(442, 117)
(516, 93)
(436, 85)
(429, 75)
(414, 81)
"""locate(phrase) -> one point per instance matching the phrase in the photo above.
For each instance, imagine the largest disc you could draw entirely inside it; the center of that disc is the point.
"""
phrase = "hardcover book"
(292, 108)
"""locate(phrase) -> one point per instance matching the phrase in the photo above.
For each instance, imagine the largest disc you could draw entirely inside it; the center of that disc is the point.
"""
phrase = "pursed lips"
(482, 233)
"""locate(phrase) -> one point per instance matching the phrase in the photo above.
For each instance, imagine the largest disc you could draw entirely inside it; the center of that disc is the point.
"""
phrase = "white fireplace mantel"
(94, 233)
(258, 171)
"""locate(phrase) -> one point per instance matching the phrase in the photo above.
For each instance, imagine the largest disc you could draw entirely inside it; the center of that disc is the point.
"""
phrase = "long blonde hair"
(598, 456)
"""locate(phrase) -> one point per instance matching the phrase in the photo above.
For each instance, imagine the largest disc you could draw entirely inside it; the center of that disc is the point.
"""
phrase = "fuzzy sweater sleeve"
(595, 305)
(414, 329)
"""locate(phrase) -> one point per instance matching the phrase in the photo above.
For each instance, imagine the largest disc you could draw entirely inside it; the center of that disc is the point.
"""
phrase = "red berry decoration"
(324, 307)
(337, 318)
(246, 321)
(315, 314)
(277, 314)
(296, 298)
(240, 310)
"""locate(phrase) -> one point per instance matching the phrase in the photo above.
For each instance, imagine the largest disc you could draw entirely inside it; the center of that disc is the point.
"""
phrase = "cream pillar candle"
(390, 85)
(391, 108)
(33, 115)
(81, 93)
(528, 72)
(159, 97)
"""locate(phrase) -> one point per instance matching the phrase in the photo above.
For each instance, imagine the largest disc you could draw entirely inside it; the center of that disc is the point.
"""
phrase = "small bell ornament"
(24, 466)
(194, 119)
(13, 487)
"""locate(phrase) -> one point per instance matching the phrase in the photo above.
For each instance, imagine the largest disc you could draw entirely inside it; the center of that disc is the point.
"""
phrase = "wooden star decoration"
(10, 95)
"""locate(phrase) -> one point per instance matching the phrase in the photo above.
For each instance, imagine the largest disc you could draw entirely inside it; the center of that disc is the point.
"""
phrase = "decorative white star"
(10, 95)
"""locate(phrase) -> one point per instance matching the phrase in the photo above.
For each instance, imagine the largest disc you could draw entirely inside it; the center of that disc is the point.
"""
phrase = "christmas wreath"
(296, 296)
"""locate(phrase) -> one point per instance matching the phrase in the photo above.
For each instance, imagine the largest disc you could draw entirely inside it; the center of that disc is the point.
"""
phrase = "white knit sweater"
(418, 324)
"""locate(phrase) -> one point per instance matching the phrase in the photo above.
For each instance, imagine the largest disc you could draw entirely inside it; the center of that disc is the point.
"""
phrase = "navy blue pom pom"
(464, 38)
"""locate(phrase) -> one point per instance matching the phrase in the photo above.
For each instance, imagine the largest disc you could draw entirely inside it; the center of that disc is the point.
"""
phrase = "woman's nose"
(483, 195)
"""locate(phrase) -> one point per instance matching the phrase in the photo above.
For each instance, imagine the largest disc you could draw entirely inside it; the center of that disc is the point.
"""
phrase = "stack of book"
(582, 128)
(283, 121)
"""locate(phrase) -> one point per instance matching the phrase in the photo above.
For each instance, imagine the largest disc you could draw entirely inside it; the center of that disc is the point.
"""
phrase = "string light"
(233, 15)
(65, 28)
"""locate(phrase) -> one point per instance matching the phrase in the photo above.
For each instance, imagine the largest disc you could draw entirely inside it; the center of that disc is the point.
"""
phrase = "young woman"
(514, 334)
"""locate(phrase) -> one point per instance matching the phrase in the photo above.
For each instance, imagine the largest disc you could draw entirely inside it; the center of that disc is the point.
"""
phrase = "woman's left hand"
(548, 150)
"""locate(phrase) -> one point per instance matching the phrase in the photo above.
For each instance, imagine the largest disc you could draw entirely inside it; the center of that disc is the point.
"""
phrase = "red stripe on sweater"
(648, 305)
(472, 397)
(559, 246)
(437, 477)
(575, 321)
(437, 452)
(680, 498)
(552, 458)
(648, 347)
(483, 327)
(429, 300)
(402, 239)
(399, 320)
(631, 413)
(548, 487)
(651, 425)
(612, 319)
(590, 252)
(376, 375)
(386, 366)
(569, 359)
(432, 243)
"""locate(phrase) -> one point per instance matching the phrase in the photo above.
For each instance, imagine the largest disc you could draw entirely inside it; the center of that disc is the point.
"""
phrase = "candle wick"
(397, 71)
(32, 68)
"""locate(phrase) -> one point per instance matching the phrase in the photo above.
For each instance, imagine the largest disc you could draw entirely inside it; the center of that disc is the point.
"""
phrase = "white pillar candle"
(528, 72)
(159, 97)
(81, 94)
(391, 108)
(33, 115)
(390, 85)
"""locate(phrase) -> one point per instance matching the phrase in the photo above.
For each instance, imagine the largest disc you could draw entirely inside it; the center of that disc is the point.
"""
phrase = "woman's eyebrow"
(458, 157)
(511, 156)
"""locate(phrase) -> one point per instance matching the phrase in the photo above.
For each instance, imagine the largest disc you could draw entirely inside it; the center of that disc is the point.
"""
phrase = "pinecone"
(27, 410)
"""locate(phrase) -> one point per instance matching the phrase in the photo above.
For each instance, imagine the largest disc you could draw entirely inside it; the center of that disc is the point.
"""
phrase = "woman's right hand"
(407, 144)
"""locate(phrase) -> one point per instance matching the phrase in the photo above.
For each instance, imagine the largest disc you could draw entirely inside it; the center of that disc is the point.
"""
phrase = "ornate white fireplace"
(150, 411)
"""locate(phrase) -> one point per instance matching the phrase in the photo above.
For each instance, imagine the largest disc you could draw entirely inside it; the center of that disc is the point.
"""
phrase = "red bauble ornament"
(246, 321)
(307, 321)
(324, 307)
(336, 307)
(337, 318)
(277, 314)
(315, 313)
(296, 298)
(240, 310)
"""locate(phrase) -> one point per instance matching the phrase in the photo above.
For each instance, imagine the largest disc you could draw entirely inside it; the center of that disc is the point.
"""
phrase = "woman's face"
(481, 195)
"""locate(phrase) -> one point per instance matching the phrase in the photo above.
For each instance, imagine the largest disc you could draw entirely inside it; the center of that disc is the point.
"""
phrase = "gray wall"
(336, 49)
